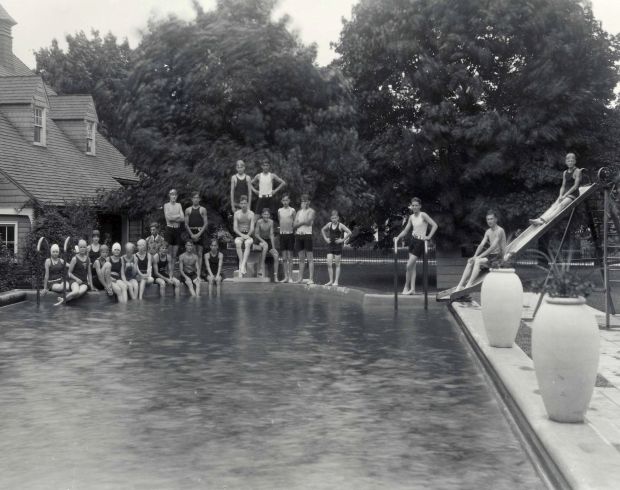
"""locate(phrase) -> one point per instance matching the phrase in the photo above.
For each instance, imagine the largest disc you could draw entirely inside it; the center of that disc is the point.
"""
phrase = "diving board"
(521, 241)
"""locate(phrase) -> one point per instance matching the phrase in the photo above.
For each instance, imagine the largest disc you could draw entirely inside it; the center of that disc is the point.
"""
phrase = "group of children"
(126, 275)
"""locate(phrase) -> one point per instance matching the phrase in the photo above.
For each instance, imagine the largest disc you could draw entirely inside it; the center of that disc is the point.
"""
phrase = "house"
(50, 150)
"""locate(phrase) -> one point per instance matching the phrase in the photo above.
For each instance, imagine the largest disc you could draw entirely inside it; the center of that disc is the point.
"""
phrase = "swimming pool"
(247, 389)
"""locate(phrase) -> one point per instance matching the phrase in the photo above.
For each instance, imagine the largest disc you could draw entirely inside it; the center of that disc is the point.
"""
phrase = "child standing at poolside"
(265, 191)
(264, 238)
(286, 217)
(417, 223)
(336, 235)
(188, 261)
(304, 219)
(213, 260)
(240, 185)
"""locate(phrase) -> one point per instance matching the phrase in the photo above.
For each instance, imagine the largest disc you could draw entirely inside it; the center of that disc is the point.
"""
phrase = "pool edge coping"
(571, 455)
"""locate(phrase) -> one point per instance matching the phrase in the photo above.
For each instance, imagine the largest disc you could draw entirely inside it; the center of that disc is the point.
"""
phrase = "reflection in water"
(256, 391)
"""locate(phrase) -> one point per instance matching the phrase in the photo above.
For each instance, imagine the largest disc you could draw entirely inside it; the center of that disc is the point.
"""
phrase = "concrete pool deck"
(578, 456)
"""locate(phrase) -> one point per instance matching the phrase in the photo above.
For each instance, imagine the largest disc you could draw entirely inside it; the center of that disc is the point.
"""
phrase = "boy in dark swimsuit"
(196, 226)
(264, 238)
(240, 185)
(188, 261)
(161, 261)
(336, 235)
(213, 263)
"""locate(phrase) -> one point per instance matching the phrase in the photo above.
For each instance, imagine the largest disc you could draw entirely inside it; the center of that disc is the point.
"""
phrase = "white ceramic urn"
(565, 350)
(502, 305)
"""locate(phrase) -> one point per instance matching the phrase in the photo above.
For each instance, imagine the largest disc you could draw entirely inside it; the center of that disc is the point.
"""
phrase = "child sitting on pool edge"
(213, 260)
(188, 262)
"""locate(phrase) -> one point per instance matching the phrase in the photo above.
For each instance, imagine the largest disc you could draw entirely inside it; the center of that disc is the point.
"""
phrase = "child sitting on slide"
(571, 178)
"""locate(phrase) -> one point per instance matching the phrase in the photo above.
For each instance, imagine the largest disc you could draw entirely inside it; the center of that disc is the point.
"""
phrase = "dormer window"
(39, 125)
(91, 128)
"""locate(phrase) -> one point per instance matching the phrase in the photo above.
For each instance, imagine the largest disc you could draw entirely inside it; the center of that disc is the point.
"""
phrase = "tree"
(96, 66)
(472, 104)
(233, 84)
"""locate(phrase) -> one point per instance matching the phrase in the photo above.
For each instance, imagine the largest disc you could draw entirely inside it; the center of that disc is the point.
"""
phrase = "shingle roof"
(72, 107)
(4, 15)
(113, 161)
(55, 173)
(18, 69)
(19, 89)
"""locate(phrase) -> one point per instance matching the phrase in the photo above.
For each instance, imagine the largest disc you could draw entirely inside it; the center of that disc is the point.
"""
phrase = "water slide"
(522, 241)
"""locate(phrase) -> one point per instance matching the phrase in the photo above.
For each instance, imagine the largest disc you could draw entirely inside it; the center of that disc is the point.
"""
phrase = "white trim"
(92, 137)
(43, 126)
(19, 212)
(16, 241)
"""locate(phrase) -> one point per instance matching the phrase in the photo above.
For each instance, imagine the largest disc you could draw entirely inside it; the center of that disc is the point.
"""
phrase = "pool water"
(256, 390)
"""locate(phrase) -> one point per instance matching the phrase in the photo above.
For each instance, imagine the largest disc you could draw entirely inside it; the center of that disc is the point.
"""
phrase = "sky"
(317, 21)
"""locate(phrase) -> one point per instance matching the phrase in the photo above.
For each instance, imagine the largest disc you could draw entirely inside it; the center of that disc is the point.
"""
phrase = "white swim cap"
(141, 242)
(116, 246)
(55, 248)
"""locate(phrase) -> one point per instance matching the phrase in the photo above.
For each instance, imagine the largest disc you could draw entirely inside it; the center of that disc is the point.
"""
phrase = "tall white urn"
(565, 350)
(502, 304)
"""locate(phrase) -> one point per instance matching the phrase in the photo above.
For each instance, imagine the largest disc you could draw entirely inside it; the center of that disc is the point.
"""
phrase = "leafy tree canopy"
(472, 104)
(234, 84)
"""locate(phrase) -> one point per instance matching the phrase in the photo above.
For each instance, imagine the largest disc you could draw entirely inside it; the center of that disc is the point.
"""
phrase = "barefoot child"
(264, 238)
(569, 191)
(243, 224)
(115, 272)
(495, 237)
(103, 270)
(304, 219)
(196, 226)
(161, 272)
(54, 272)
(173, 211)
(286, 217)
(336, 235)
(188, 261)
(213, 263)
(143, 259)
(129, 270)
(80, 273)
(417, 223)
